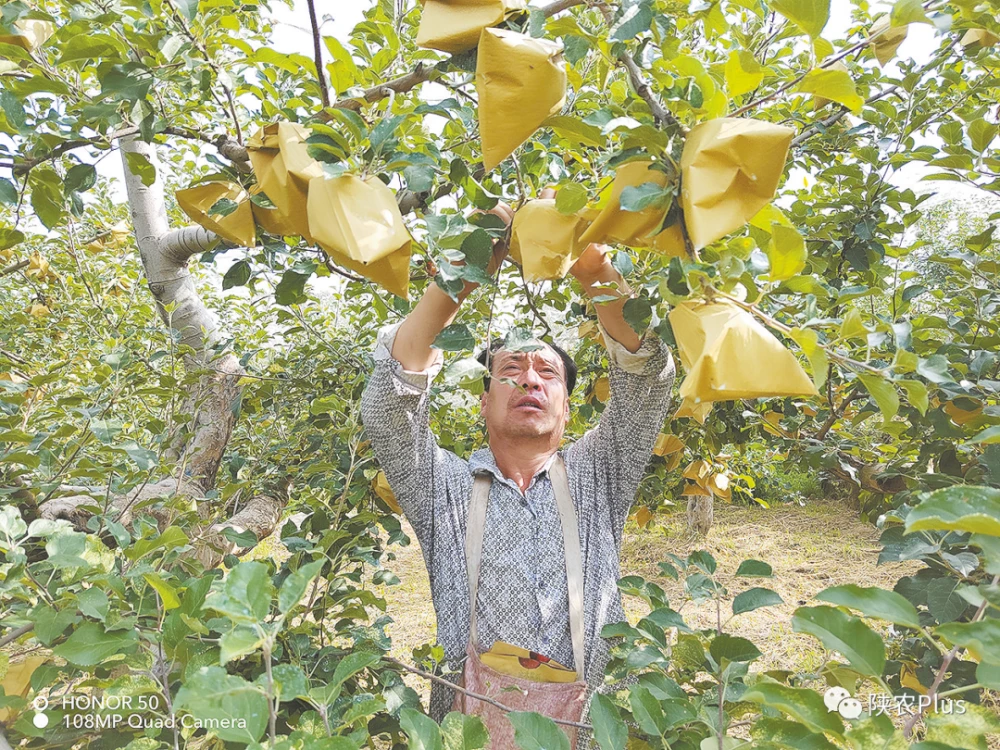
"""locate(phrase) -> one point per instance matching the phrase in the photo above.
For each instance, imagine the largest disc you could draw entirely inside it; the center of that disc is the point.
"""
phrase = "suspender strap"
(476, 527)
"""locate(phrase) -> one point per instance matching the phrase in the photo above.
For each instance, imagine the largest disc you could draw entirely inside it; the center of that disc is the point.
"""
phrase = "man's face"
(527, 396)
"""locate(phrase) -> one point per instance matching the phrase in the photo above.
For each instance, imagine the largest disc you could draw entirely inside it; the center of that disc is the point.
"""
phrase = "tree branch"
(324, 91)
(476, 696)
(16, 633)
(825, 64)
(14, 268)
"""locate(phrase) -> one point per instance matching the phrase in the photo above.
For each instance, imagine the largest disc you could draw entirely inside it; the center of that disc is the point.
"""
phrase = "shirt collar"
(483, 462)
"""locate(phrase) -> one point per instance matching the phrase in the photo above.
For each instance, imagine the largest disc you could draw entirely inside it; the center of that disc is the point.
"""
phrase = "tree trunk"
(195, 455)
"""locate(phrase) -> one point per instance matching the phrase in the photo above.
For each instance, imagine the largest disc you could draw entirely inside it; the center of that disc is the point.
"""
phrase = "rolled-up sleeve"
(396, 414)
(622, 442)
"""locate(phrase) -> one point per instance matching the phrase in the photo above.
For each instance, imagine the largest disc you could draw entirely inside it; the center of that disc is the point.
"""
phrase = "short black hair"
(498, 344)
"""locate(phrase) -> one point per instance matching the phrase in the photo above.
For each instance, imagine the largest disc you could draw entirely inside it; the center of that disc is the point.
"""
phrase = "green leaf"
(646, 711)
(419, 177)
(466, 373)
(635, 21)
(51, 623)
(884, 394)
(237, 275)
(294, 587)
(141, 167)
(809, 15)
(80, 178)
(989, 675)
(238, 642)
(349, 666)
(245, 595)
(786, 252)
(835, 85)
(143, 458)
(89, 645)
(421, 730)
(536, 732)
(536, 22)
(838, 631)
(981, 638)
(968, 730)
(455, 338)
(982, 134)
(235, 708)
(290, 680)
(168, 594)
(90, 47)
(93, 603)
(8, 192)
(576, 130)
(571, 198)
(754, 569)
(743, 73)
(638, 313)
(610, 731)
(291, 289)
(801, 704)
(47, 198)
(755, 598)
(819, 362)
(873, 602)
(17, 117)
(105, 430)
(188, 8)
(989, 436)
(171, 538)
(461, 732)
(646, 195)
(908, 11)
(727, 647)
(959, 508)
(916, 394)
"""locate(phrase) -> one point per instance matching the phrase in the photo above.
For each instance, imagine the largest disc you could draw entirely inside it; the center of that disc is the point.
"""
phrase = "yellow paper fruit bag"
(359, 219)
(690, 410)
(281, 161)
(729, 355)
(667, 444)
(886, 39)
(544, 242)
(615, 224)
(236, 227)
(17, 681)
(271, 220)
(528, 665)
(979, 38)
(28, 33)
(520, 81)
(730, 169)
(455, 25)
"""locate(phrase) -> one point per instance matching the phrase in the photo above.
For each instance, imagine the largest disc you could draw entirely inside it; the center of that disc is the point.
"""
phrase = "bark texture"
(196, 452)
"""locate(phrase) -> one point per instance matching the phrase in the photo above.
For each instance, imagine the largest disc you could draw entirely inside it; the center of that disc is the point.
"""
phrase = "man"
(522, 596)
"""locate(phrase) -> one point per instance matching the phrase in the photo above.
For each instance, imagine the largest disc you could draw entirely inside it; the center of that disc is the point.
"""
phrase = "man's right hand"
(436, 310)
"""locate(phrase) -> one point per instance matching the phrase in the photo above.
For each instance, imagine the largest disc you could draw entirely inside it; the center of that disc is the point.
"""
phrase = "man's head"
(527, 390)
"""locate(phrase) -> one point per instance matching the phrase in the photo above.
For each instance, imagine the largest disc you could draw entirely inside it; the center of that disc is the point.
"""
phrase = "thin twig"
(825, 64)
(324, 90)
(13, 268)
(476, 696)
(16, 633)
(531, 302)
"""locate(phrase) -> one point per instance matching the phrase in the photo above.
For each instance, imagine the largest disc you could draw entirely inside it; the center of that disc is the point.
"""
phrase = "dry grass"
(810, 548)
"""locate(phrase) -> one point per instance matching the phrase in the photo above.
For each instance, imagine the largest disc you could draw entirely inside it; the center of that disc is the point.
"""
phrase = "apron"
(566, 700)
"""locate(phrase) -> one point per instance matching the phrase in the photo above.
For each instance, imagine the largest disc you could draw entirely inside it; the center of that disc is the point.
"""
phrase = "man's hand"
(436, 310)
(593, 270)
(506, 214)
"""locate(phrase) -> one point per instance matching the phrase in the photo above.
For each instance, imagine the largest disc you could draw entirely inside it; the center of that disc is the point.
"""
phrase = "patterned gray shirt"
(523, 594)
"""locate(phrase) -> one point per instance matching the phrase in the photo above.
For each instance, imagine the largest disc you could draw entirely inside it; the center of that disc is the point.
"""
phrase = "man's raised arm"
(435, 311)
